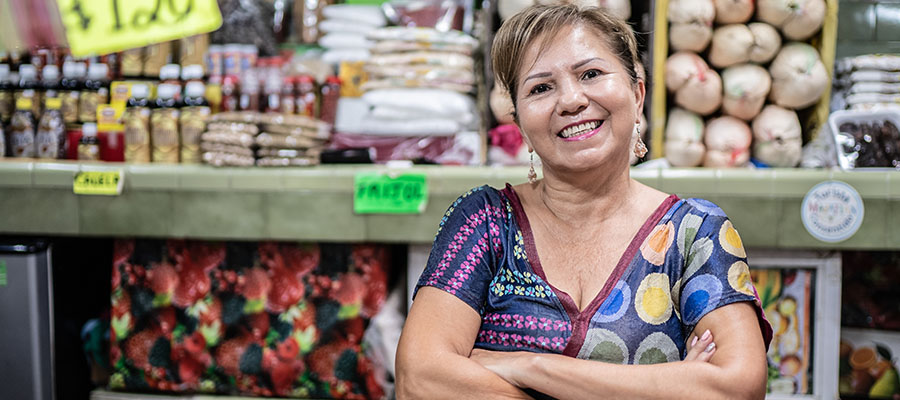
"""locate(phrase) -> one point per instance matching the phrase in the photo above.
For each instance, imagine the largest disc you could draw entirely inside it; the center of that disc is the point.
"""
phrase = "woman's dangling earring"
(532, 176)
(640, 149)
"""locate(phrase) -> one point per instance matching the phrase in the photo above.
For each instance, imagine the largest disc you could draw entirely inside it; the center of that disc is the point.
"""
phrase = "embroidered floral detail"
(475, 254)
(519, 247)
(519, 321)
(556, 344)
(511, 282)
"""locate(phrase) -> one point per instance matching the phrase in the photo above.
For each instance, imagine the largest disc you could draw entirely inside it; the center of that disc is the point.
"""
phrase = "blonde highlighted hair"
(518, 33)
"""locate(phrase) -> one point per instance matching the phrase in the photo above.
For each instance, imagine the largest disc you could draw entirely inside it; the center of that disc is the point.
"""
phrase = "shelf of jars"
(316, 203)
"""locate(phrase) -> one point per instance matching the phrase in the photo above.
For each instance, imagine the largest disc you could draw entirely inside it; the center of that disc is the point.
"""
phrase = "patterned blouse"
(685, 261)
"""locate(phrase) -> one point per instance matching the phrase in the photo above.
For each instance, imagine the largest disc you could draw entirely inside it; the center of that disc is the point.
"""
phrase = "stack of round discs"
(228, 142)
(290, 140)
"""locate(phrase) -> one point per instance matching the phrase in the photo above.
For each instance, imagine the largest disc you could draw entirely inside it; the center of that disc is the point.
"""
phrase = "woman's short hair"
(517, 34)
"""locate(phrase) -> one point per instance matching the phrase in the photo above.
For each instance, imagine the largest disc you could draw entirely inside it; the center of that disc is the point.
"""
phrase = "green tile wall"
(868, 26)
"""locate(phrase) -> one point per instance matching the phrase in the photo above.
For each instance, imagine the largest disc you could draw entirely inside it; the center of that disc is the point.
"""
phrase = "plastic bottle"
(288, 103)
(230, 93)
(7, 99)
(136, 119)
(192, 122)
(50, 139)
(249, 98)
(192, 73)
(95, 93)
(89, 144)
(306, 100)
(21, 129)
(272, 93)
(331, 91)
(49, 83)
(70, 90)
(170, 73)
(164, 125)
(28, 87)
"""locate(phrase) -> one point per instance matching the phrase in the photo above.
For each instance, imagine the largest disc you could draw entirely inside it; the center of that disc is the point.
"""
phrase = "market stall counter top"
(316, 203)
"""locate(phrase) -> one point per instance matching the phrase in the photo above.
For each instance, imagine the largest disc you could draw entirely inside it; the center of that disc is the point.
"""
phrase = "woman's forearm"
(450, 376)
(568, 378)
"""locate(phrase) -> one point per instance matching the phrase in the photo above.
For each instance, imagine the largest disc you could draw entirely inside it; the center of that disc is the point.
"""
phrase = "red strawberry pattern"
(276, 323)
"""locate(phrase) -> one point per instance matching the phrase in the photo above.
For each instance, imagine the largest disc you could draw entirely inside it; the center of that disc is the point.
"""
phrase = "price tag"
(376, 193)
(107, 26)
(107, 183)
(2, 273)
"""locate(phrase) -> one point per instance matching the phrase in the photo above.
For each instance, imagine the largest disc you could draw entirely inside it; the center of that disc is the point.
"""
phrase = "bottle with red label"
(306, 101)
(288, 103)
(331, 91)
(230, 93)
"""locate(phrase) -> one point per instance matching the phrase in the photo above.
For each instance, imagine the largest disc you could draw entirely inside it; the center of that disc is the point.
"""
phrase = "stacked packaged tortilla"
(290, 140)
(268, 140)
(419, 90)
(344, 31)
(867, 82)
(229, 140)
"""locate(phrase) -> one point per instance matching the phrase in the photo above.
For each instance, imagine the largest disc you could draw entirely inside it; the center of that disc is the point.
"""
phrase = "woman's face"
(576, 104)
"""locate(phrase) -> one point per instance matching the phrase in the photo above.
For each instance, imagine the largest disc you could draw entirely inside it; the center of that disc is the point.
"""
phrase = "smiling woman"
(586, 281)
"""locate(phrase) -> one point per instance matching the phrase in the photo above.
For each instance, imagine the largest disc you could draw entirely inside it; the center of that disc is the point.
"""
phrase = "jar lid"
(50, 73)
(89, 129)
(167, 91)
(169, 71)
(98, 71)
(27, 71)
(195, 89)
(140, 91)
(193, 71)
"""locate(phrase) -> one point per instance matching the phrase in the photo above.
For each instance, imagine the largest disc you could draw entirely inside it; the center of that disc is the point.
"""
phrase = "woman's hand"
(701, 348)
(507, 364)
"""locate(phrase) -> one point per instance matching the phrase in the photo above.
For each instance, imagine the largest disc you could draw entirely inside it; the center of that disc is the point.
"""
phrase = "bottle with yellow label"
(49, 84)
(70, 89)
(21, 129)
(193, 121)
(7, 100)
(50, 139)
(164, 125)
(89, 144)
(137, 125)
(95, 93)
(28, 87)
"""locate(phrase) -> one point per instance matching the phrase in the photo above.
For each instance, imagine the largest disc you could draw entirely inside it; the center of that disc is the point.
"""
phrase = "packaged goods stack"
(865, 125)
(244, 139)
(290, 140)
(734, 84)
(344, 31)
(417, 102)
(868, 82)
(229, 140)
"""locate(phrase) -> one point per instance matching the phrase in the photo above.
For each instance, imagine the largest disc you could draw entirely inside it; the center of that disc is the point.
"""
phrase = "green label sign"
(376, 193)
(106, 26)
(107, 183)
(2, 273)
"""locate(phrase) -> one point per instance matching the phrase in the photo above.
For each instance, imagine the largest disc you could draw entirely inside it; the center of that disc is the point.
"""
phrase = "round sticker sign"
(832, 211)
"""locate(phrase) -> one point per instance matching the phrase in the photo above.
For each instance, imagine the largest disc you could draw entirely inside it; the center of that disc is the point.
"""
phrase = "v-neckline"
(575, 315)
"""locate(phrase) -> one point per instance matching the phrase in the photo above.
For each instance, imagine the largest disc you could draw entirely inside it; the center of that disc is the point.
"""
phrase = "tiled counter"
(316, 204)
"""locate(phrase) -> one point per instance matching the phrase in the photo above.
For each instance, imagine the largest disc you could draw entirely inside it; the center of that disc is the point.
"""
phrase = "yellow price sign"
(107, 183)
(107, 26)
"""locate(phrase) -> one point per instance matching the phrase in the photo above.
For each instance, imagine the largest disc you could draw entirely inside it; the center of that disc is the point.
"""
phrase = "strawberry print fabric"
(265, 319)
(686, 261)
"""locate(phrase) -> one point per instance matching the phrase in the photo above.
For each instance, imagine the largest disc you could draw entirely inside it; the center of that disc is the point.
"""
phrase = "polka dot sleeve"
(463, 255)
(715, 270)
